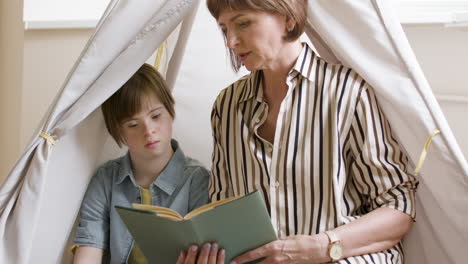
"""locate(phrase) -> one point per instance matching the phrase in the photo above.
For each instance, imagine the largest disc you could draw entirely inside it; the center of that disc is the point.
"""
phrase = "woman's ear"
(290, 24)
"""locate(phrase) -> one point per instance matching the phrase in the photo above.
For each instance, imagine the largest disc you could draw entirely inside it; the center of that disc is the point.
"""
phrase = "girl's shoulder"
(113, 169)
(194, 168)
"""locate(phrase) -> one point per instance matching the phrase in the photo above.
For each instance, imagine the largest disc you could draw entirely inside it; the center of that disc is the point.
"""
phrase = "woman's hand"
(209, 254)
(293, 249)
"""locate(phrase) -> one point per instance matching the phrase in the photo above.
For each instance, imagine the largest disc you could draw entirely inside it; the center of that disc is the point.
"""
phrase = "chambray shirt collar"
(255, 79)
(169, 178)
(125, 170)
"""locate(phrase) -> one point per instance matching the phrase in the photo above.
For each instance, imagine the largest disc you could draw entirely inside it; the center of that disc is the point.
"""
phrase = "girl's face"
(256, 37)
(148, 133)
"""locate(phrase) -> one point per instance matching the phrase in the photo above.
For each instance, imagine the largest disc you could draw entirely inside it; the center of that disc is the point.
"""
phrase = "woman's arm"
(376, 231)
(88, 255)
(219, 187)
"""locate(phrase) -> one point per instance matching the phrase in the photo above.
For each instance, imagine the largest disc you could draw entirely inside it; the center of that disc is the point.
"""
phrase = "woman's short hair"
(292, 9)
(129, 99)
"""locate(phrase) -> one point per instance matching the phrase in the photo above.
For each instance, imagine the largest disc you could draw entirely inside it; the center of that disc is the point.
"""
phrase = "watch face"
(336, 251)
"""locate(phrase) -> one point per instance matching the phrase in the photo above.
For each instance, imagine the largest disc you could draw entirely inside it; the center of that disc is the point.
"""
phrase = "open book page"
(160, 211)
(209, 206)
(175, 216)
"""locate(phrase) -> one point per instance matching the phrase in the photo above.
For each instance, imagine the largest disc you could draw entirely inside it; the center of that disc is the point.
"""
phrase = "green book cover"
(237, 226)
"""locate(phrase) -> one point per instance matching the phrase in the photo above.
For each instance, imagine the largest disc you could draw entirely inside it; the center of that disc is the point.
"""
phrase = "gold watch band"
(335, 248)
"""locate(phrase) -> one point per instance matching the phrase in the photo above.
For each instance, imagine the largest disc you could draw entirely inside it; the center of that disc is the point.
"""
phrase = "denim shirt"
(182, 186)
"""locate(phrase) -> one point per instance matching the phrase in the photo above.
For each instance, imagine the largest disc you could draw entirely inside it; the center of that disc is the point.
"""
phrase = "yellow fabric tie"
(48, 138)
(159, 55)
(424, 151)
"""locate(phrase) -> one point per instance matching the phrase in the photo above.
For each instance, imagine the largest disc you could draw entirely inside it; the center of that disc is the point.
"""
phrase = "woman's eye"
(244, 24)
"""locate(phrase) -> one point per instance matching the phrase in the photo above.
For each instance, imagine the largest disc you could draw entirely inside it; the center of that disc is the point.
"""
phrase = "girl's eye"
(155, 116)
(131, 125)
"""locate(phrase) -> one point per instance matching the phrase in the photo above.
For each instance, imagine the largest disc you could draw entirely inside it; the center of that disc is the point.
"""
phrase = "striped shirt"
(334, 157)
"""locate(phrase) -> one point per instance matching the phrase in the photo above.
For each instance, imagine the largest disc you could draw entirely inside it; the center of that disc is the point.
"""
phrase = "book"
(237, 224)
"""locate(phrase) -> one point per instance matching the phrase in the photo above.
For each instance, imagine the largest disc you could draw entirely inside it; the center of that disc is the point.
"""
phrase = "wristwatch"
(335, 249)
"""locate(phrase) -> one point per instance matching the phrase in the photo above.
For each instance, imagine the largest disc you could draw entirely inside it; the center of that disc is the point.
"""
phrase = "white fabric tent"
(40, 197)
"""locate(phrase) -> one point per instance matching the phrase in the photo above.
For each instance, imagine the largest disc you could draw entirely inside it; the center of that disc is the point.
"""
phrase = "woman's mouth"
(243, 56)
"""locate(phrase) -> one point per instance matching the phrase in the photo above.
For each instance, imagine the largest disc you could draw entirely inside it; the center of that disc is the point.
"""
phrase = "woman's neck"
(279, 69)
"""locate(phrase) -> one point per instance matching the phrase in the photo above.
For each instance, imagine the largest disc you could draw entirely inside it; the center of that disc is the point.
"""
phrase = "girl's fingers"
(181, 258)
(204, 253)
(191, 255)
(213, 254)
(221, 256)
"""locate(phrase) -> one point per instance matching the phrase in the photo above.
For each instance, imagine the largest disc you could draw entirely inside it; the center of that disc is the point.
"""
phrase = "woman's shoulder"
(348, 77)
(238, 90)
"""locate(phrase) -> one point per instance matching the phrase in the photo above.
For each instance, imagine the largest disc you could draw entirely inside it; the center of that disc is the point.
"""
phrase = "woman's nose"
(231, 40)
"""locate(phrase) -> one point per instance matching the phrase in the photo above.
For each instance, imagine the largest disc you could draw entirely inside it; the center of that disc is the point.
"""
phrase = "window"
(450, 12)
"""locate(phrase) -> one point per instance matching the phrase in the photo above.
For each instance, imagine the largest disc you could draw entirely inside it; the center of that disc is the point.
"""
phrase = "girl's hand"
(209, 254)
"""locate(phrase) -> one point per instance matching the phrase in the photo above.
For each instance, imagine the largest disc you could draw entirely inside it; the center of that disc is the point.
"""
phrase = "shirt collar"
(303, 66)
(169, 178)
(251, 86)
(173, 174)
(126, 170)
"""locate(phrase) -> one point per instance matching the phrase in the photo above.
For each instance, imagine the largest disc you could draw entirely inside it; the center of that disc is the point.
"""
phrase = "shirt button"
(270, 149)
(277, 184)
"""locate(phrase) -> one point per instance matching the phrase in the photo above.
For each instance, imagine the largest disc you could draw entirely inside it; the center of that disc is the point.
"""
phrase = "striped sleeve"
(219, 186)
(378, 165)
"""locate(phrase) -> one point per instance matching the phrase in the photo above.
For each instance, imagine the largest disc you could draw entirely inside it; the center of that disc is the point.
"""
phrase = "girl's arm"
(88, 255)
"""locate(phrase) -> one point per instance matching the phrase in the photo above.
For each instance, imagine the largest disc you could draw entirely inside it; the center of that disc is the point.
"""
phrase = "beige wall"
(11, 53)
(48, 57)
(33, 67)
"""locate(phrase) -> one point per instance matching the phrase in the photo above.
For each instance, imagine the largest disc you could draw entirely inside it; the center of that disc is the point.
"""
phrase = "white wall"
(60, 10)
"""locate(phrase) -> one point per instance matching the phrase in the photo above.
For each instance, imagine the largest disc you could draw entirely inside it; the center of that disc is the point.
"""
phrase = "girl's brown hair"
(128, 100)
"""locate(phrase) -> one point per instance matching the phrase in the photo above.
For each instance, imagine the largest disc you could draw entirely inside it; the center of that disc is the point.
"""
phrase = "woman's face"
(255, 37)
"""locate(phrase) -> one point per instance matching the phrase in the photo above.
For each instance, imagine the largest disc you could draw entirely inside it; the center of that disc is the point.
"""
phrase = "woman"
(311, 137)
